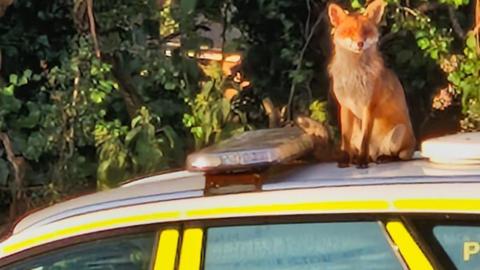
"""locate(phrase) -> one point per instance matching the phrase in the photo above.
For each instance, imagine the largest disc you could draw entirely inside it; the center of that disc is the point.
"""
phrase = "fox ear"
(336, 14)
(375, 10)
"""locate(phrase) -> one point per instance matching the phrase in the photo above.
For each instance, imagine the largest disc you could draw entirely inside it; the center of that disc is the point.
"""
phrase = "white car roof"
(182, 184)
(164, 187)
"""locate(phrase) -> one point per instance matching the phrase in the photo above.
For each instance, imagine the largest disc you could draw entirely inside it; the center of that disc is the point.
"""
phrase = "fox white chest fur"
(353, 76)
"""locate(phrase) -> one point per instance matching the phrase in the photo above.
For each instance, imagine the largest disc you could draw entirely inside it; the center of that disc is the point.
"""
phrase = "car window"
(302, 246)
(133, 252)
(461, 243)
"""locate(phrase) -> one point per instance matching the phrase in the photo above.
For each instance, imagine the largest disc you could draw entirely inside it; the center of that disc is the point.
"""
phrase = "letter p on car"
(469, 249)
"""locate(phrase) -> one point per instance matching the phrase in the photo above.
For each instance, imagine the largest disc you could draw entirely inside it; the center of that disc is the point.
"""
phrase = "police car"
(220, 214)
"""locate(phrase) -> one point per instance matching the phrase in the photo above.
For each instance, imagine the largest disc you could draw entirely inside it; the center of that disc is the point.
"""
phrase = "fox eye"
(367, 32)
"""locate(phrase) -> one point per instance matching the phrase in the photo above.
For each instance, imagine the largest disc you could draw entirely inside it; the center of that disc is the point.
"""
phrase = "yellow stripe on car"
(191, 253)
(92, 226)
(438, 204)
(167, 250)
(411, 252)
(321, 206)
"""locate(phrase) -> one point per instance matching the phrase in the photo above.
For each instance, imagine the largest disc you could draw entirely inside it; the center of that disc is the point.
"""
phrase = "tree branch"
(307, 24)
(477, 14)
(409, 11)
(226, 8)
(300, 61)
(133, 101)
(93, 31)
(390, 36)
(4, 4)
(18, 165)
(457, 28)
(428, 6)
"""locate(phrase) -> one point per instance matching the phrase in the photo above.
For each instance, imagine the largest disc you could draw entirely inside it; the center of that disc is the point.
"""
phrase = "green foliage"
(274, 33)
(455, 3)
(210, 111)
(462, 69)
(433, 41)
(113, 154)
(318, 111)
(128, 151)
(465, 79)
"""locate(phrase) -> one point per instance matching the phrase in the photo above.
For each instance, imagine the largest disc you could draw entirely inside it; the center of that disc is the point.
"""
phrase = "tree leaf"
(27, 73)
(171, 136)
(97, 96)
(207, 88)
(32, 119)
(132, 134)
(170, 86)
(13, 79)
(471, 41)
(188, 6)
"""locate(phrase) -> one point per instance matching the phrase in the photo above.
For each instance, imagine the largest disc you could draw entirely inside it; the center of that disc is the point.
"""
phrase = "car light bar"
(251, 150)
(463, 148)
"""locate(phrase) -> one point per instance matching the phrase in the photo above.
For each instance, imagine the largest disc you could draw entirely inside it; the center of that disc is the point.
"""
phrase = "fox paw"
(343, 164)
(344, 160)
(362, 165)
(385, 159)
(362, 162)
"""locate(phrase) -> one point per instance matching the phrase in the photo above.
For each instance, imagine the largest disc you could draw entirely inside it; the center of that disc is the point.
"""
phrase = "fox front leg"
(347, 122)
(366, 131)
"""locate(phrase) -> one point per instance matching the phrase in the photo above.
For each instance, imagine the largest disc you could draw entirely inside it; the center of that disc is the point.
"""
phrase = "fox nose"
(360, 44)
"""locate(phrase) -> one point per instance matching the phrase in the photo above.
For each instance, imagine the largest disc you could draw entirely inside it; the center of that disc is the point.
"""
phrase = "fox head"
(356, 32)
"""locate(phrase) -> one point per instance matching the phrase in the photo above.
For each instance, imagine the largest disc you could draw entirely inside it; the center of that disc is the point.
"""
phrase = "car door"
(452, 241)
(138, 248)
(355, 241)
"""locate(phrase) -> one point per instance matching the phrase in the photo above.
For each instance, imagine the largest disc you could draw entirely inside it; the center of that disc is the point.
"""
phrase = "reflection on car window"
(461, 243)
(342, 245)
(127, 252)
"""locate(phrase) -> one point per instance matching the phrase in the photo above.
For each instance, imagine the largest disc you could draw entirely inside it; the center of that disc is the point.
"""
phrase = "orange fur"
(374, 116)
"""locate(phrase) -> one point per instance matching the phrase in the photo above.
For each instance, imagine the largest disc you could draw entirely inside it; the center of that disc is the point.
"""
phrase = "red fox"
(374, 120)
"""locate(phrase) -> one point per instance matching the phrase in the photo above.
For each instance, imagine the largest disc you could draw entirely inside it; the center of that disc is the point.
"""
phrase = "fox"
(374, 119)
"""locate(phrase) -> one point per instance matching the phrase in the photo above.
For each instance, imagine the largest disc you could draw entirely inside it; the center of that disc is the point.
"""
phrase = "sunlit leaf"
(13, 79)
(471, 41)
(132, 134)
